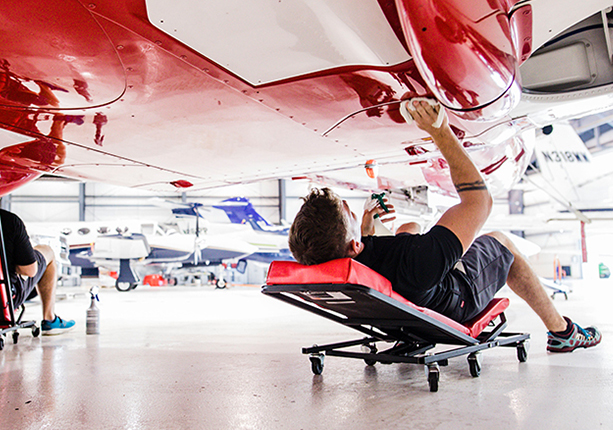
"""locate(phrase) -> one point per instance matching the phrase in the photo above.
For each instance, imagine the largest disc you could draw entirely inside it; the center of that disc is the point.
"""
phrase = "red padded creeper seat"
(349, 271)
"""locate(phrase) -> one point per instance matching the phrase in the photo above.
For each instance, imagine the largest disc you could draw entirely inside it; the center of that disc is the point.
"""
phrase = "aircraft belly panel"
(187, 119)
(137, 107)
(264, 41)
(56, 57)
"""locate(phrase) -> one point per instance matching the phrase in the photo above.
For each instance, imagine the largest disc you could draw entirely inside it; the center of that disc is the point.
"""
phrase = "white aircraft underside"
(189, 95)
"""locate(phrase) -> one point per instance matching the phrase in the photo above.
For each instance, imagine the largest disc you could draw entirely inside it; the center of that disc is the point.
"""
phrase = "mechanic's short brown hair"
(319, 231)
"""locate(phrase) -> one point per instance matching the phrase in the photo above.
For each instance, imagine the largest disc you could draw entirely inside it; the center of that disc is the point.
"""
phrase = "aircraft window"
(241, 266)
(66, 231)
(171, 228)
(83, 231)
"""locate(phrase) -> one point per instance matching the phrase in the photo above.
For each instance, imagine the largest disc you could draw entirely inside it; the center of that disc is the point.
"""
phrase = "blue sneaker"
(57, 326)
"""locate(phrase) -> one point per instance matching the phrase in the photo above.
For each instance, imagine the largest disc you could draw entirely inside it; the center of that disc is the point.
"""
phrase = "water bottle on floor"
(92, 325)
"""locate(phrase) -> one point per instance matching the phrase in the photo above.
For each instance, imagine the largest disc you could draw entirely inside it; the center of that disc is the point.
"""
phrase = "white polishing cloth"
(407, 106)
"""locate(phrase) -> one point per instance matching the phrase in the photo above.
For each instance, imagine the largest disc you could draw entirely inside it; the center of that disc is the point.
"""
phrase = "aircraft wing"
(188, 94)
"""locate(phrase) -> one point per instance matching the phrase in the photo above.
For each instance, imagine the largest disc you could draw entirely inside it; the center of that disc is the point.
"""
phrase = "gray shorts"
(485, 267)
(22, 287)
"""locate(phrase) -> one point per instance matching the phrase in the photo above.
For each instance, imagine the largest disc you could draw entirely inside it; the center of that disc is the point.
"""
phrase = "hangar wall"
(57, 200)
(51, 199)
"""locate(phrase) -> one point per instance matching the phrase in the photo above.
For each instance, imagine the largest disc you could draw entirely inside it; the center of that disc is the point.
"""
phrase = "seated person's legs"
(24, 287)
(47, 280)
(46, 284)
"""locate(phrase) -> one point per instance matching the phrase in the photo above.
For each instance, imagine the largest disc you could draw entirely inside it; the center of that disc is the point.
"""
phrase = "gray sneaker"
(579, 338)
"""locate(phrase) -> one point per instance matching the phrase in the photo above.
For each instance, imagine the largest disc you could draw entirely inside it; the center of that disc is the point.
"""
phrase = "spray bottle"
(380, 229)
(92, 325)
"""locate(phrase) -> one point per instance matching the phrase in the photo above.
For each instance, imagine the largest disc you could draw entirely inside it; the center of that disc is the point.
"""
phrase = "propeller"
(186, 210)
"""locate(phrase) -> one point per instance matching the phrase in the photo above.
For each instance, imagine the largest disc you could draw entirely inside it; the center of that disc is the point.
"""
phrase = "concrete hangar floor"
(199, 358)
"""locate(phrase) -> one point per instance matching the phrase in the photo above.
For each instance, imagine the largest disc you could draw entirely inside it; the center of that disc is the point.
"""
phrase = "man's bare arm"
(465, 219)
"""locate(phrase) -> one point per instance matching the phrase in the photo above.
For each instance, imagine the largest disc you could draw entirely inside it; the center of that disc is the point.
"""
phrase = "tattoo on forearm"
(470, 186)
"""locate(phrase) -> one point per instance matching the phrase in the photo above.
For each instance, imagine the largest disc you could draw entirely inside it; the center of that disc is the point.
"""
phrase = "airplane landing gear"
(127, 279)
(125, 286)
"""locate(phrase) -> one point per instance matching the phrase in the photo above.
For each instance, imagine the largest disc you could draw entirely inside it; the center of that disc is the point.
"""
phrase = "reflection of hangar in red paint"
(162, 95)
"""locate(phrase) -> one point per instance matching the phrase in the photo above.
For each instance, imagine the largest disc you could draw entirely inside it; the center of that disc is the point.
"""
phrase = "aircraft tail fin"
(565, 164)
(240, 211)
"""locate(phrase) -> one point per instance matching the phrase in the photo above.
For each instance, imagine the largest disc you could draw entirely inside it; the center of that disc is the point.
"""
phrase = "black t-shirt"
(18, 249)
(419, 266)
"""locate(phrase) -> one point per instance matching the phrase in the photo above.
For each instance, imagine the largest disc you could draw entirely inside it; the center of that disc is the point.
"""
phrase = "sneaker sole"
(55, 331)
(571, 348)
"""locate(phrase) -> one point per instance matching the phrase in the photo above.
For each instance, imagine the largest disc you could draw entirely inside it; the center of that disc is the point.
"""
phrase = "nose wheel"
(125, 286)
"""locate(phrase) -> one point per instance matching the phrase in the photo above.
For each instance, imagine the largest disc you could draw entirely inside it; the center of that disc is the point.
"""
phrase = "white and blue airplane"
(188, 242)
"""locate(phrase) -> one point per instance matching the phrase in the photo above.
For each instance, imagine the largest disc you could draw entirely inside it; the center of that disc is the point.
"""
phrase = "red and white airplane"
(195, 94)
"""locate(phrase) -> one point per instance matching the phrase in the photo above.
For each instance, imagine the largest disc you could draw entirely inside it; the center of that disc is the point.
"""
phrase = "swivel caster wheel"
(474, 364)
(369, 349)
(433, 377)
(317, 363)
(522, 351)
(35, 331)
(15, 337)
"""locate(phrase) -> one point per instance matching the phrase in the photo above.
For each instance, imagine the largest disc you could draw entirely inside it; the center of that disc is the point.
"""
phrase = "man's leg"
(46, 285)
(410, 227)
(51, 324)
(525, 283)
